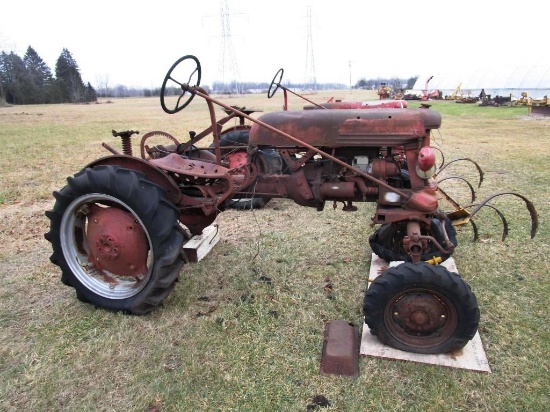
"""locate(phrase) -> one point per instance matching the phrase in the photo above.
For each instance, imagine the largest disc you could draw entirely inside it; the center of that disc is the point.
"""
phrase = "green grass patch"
(243, 329)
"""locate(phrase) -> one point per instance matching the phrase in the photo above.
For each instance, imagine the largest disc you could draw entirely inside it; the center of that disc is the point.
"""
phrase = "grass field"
(226, 340)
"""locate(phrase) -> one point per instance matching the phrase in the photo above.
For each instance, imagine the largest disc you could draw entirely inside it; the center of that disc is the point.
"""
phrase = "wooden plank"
(471, 357)
(199, 246)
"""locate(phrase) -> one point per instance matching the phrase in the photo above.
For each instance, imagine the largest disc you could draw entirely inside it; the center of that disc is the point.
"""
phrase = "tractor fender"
(151, 172)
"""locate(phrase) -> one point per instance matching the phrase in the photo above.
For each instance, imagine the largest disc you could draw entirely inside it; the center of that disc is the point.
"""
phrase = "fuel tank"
(346, 127)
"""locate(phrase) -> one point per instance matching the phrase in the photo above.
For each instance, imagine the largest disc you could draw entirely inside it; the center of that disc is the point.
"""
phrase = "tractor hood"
(338, 128)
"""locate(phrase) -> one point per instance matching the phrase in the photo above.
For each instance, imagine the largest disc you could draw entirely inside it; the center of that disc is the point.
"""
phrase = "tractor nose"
(425, 167)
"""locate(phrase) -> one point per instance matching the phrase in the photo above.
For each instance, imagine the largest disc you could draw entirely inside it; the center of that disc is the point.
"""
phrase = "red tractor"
(119, 225)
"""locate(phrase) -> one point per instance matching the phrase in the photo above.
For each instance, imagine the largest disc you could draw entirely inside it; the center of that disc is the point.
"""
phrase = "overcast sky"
(135, 43)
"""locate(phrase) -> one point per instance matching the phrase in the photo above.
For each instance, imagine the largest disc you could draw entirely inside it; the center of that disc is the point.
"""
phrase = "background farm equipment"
(424, 94)
(384, 91)
(276, 84)
(118, 227)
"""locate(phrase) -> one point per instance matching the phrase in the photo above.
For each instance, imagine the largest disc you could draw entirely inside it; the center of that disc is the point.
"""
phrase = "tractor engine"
(389, 146)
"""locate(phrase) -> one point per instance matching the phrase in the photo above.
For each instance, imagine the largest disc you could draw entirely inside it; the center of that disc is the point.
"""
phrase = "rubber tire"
(158, 217)
(411, 277)
(235, 138)
(383, 243)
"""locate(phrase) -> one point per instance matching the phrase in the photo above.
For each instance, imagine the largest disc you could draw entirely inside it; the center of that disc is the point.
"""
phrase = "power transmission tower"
(310, 57)
(228, 68)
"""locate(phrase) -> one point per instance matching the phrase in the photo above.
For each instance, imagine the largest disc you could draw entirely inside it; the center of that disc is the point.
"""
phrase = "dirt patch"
(23, 227)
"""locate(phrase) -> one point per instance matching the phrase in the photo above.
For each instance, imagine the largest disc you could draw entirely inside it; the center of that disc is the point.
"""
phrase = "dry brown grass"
(227, 340)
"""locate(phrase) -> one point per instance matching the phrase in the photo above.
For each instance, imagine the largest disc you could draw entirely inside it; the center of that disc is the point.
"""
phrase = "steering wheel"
(277, 83)
(179, 64)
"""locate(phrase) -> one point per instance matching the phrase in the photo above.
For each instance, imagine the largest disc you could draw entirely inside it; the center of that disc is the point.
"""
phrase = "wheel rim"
(421, 317)
(103, 258)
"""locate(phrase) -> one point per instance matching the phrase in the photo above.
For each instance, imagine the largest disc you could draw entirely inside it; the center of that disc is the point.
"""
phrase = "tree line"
(29, 80)
(395, 83)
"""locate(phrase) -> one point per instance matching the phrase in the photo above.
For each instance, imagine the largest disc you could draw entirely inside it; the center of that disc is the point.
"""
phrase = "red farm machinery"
(118, 227)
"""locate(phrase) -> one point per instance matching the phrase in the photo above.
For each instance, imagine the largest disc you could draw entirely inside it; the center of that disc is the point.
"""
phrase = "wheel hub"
(108, 249)
(420, 313)
(116, 242)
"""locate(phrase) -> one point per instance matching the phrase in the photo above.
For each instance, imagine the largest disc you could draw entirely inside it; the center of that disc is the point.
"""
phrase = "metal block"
(340, 349)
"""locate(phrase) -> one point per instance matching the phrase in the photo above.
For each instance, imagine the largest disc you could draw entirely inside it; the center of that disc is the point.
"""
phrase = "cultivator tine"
(461, 215)
(528, 203)
(474, 228)
(502, 218)
(480, 171)
(442, 156)
(472, 191)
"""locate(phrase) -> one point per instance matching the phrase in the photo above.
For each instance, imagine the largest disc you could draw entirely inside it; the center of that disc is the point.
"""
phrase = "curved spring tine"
(474, 227)
(502, 218)
(442, 156)
(528, 203)
(472, 191)
(469, 160)
(504, 222)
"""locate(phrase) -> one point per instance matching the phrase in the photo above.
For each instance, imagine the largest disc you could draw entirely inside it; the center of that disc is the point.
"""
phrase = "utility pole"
(349, 65)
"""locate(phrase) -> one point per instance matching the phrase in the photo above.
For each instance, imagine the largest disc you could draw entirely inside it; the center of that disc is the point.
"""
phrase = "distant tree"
(56, 93)
(120, 91)
(68, 79)
(395, 83)
(39, 76)
(102, 83)
(3, 101)
(14, 78)
(361, 84)
(90, 94)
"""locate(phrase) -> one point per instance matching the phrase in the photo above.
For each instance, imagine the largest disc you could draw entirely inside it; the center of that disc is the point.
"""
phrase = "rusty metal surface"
(152, 173)
(191, 167)
(335, 128)
(375, 104)
(340, 354)
(421, 317)
(117, 243)
(434, 116)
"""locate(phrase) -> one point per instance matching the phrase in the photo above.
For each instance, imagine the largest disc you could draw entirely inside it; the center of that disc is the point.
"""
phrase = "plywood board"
(471, 357)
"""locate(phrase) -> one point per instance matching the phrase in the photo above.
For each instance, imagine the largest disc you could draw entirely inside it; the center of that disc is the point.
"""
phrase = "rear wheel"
(421, 308)
(116, 239)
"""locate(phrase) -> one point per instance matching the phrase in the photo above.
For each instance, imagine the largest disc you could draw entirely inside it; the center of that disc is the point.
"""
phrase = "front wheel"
(421, 308)
(116, 239)
(387, 241)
